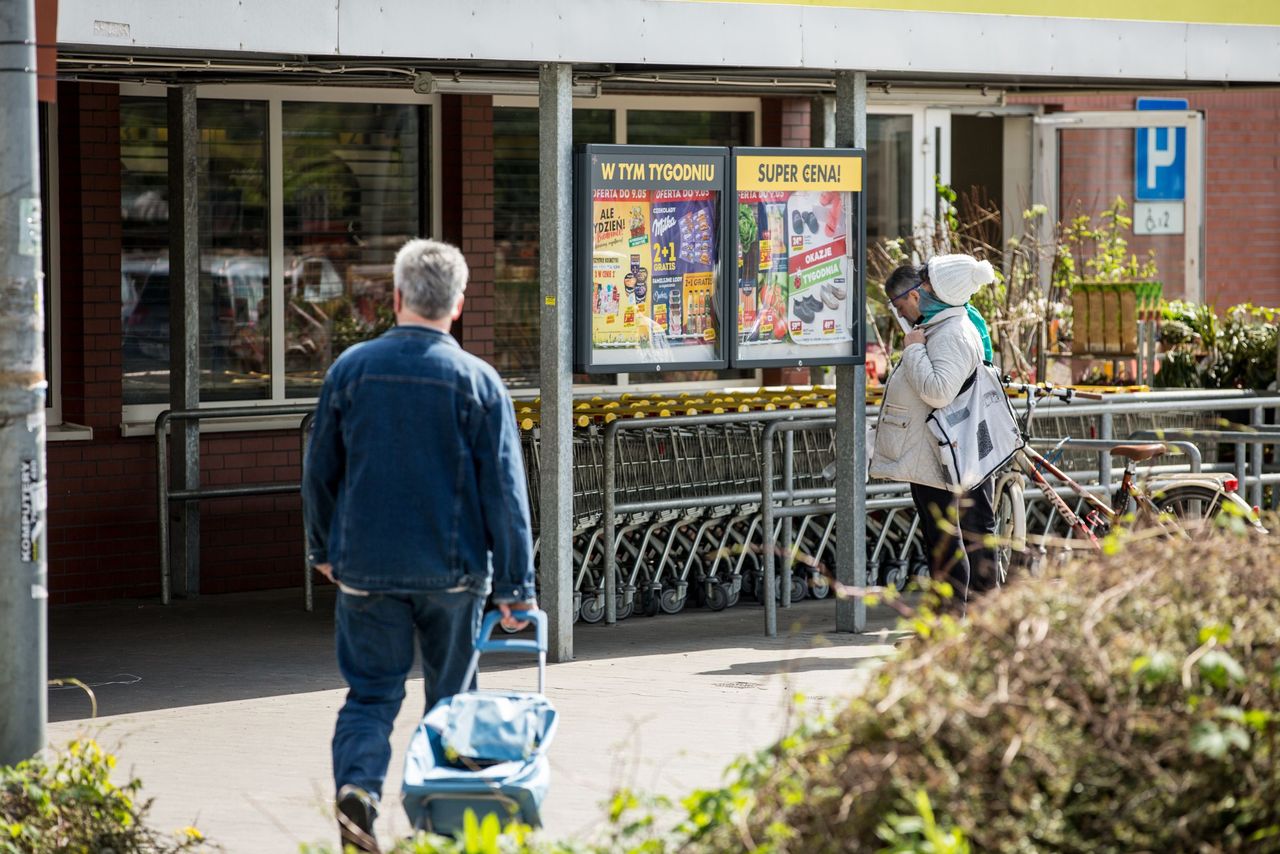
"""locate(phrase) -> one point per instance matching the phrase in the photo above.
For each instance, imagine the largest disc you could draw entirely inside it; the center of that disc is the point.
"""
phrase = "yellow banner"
(771, 172)
(1257, 12)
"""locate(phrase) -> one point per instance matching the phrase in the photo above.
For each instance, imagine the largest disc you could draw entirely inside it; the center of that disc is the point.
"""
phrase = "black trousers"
(954, 526)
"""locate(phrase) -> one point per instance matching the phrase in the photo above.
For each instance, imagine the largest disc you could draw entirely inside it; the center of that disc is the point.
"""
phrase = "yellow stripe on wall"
(1247, 12)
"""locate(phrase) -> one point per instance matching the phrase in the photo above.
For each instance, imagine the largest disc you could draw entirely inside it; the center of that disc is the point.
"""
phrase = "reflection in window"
(235, 272)
(234, 302)
(888, 176)
(515, 233)
(689, 127)
(352, 175)
(352, 195)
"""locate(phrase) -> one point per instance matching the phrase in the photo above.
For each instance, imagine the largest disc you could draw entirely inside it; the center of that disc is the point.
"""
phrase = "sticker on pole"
(33, 501)
(30, 228)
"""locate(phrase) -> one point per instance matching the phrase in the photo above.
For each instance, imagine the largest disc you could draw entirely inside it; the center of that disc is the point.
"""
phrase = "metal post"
(23, 498)
(555, 270)
(1259, 422)
(162, 501)
(851, 396)
(184, 332)
(788, 524)
(1106, 427)
(610, 525)
(766, 533)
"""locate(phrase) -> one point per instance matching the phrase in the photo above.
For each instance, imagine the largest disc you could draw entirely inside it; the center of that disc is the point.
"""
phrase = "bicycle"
(1179, 504)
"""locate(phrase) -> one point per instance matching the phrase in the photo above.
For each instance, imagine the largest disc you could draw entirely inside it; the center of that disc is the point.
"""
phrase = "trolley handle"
(485, 642)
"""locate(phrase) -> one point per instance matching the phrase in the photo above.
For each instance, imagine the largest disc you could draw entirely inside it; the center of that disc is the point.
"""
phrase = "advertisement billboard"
(799, 241)
(649, 240)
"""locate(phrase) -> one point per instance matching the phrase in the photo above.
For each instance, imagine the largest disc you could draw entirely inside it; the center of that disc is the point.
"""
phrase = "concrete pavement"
(224, 706)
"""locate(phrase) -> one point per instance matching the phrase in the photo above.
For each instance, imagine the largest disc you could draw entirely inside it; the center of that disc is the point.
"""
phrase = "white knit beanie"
(955, 278)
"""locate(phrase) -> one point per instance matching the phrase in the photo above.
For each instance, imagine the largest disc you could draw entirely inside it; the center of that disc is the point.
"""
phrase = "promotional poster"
(655, 255)
(796, 276)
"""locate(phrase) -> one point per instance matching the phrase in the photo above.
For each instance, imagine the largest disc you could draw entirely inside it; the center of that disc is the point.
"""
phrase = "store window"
(888, 177)
(234, 270)
(352, 175)
(515, 232)
(352, 184)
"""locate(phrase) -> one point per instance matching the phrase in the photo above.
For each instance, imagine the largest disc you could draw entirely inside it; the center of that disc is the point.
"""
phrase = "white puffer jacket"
(928, 376)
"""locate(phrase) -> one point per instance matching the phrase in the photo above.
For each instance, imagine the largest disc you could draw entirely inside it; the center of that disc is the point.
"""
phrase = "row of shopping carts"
(668, 553)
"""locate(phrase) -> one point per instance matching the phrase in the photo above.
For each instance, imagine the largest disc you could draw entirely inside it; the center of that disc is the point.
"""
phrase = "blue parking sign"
(1160, 156)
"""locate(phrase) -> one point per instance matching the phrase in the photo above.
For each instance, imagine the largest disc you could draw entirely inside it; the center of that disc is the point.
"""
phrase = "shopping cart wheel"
(735, 591)
(592, 609)
(625, 607)
(649, 602)
(894, 572)
(799, 586)
(672, 600)
(819, 586)
(717, 596)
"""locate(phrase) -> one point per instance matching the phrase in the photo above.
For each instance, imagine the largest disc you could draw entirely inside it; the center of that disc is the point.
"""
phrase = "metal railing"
(165, 496)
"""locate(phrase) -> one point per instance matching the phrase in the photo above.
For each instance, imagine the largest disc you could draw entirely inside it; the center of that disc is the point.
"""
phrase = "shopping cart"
(484, 751)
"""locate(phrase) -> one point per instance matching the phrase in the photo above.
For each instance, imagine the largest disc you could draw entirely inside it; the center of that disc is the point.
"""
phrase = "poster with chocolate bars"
(798, 256)
(649, 245)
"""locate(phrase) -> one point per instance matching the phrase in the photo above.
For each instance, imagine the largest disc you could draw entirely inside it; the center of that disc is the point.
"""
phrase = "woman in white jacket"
(941, 351)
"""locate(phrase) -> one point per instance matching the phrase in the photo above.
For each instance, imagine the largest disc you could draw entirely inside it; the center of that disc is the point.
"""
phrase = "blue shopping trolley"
(483, 750)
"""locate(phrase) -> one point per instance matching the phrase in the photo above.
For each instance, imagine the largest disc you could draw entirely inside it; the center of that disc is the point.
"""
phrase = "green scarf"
(931, 307)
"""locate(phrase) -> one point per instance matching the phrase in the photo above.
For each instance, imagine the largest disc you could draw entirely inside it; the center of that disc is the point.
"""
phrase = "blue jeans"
(375, 639)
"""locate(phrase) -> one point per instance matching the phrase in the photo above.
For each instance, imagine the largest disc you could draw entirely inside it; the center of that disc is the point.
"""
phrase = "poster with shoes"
(799, 235)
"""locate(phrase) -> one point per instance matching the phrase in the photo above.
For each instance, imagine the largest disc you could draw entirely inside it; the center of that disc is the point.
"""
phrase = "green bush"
(64, 801)
(1125, 703)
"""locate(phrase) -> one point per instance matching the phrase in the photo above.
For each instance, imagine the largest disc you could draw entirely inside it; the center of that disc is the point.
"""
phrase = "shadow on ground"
(141, 656)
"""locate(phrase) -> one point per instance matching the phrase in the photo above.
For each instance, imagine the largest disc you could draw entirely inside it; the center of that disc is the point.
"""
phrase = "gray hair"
(430, 276)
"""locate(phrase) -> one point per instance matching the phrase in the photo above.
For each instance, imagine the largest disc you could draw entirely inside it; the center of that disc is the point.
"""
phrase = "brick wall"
(102, 494)
(467, 165)
(1242, 159)
(786, 122)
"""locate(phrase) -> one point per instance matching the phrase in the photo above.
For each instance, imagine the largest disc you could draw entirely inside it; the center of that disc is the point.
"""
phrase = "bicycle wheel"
(1192, 507)
(1006, 511)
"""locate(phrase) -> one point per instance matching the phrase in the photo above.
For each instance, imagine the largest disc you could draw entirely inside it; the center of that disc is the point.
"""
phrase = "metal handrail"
(165, 495)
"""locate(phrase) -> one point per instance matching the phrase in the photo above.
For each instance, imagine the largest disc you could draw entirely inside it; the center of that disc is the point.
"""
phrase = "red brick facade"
(467, 165)
(1242, 220)
(102, 494)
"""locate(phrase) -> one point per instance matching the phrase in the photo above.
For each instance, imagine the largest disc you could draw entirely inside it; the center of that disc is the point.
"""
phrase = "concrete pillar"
(851, 398)
(184, 335)
(555, 269)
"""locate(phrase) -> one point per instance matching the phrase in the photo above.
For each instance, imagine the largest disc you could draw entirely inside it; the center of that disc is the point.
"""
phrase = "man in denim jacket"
(415, 505)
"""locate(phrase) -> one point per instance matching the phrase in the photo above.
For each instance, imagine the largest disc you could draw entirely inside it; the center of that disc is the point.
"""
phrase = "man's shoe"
(355, 811)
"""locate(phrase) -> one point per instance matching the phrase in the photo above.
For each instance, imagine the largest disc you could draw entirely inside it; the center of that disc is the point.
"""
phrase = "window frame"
(52, 231)
(139, 418)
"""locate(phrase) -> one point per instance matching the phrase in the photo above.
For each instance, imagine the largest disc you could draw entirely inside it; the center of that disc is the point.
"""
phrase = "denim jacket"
(413, 479)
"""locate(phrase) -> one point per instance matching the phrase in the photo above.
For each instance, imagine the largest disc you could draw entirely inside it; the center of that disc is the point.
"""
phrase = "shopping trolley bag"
(483, 750)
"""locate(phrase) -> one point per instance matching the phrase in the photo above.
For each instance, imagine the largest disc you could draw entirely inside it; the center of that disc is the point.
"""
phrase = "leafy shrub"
(1203, 351)
(64, 801)
(1121, 703)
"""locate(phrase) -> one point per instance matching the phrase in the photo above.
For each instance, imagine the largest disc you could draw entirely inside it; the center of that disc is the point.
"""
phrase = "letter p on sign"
(1160, 156)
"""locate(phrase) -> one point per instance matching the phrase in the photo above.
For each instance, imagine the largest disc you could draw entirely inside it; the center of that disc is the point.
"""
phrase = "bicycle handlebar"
(1050, 390)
